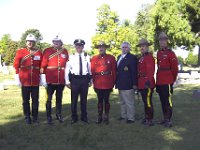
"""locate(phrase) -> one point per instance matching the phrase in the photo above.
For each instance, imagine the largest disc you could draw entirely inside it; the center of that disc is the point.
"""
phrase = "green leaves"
(7, 48)
(4, 43)
(180, 19)
(112, 32)
(10, 52)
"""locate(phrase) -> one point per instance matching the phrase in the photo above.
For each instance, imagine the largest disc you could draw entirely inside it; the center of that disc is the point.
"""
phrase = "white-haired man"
(126, 82)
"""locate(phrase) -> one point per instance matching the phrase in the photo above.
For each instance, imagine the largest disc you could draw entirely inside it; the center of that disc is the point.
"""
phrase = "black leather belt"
(163, 69)
(80, 76)
(141, 75)
(103, 73)
(30, 67)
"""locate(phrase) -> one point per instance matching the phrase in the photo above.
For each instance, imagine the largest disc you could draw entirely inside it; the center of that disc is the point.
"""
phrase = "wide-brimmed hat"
(163, 35)
(102, 43)
(143, 42)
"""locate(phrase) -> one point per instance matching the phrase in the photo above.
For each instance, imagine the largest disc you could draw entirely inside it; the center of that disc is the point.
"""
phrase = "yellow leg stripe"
(46, 93)
(170, 99)
(148, 97)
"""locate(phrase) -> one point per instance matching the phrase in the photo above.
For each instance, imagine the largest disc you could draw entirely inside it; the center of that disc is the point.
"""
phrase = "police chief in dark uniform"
(78, 79)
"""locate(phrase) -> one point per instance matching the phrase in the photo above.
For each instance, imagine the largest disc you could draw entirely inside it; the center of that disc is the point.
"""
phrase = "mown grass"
(16, 135)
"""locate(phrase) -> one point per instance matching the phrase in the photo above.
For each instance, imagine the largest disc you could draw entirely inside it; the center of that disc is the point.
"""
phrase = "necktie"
(80, 65)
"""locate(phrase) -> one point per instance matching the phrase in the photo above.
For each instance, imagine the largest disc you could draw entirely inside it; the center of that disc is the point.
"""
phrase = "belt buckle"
(102, 73)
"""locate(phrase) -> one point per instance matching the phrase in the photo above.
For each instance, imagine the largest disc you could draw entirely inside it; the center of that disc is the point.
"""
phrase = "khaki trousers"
(127, 104)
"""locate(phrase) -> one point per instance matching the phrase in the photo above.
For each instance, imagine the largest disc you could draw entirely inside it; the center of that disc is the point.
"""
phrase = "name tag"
(63, 55)
(36, 58)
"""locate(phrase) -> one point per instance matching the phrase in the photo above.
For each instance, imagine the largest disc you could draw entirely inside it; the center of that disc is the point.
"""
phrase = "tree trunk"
(199, 56)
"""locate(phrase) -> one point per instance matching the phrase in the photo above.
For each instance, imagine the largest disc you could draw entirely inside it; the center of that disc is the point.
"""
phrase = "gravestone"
(195, 75)
(5, 69)
(184, 76)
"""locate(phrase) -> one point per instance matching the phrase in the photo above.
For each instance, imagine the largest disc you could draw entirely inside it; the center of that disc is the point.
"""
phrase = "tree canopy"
(180, 19)
(112, 31)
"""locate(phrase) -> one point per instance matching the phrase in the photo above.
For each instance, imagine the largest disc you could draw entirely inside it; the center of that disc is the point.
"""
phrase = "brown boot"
(100, 112)
(106, 116)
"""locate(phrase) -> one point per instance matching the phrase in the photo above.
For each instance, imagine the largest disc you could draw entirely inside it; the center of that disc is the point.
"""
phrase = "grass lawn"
(16, 135)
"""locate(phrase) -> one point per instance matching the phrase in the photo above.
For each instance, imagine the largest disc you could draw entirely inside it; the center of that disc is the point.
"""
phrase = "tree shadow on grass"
(15, 134)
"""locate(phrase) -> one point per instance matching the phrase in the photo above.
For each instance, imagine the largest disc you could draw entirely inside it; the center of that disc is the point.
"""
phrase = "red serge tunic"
(167, 67)
(27, 65)
(103, 70)
(146, 69)
(53, 63)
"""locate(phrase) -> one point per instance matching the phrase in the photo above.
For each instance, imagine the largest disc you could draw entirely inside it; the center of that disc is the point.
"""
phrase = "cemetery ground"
(16, 135)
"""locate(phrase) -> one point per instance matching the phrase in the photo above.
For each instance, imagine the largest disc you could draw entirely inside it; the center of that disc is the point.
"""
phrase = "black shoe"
(106, 120)
(49, 120)
(162, 122)
(168, 124)
(28, 120)
(35, 120)
(148, 122)
(99, 120)
(120, 119)
(144, 120)
(130, 121)
(85, 121)
(59, 118)
(73, 121)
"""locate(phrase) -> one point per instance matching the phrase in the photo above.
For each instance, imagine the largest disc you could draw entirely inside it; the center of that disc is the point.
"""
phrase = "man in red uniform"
(27, 66)
(166, 76)
(103, 67)
(146, 82)
(53, 65)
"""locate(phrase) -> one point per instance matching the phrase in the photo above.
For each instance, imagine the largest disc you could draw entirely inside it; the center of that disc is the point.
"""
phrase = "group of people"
(54, 69)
